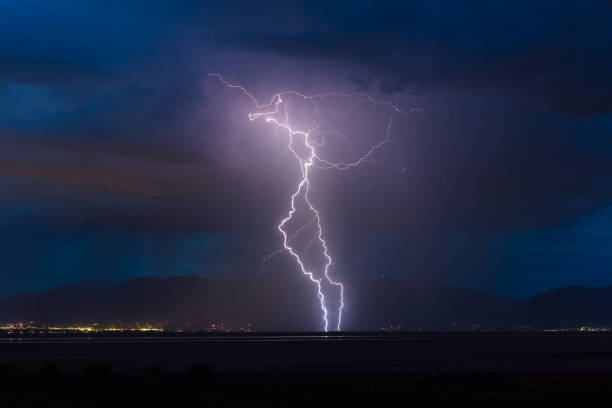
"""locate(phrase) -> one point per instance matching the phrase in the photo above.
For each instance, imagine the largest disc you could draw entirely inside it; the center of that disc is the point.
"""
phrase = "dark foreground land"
(406, 369)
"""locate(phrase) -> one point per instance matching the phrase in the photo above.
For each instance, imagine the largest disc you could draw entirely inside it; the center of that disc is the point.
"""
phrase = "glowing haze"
(301, 229)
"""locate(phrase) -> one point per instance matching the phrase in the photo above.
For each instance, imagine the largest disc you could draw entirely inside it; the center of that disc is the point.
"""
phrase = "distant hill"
(183, 300)
(272, 303)
(428, 306)
(571, 307)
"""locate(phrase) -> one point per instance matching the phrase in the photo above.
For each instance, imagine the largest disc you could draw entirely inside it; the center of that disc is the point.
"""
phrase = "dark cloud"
(555, 56)
(112, 131)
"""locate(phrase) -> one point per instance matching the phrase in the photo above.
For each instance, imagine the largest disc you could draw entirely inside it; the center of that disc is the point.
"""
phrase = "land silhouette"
(269, 306)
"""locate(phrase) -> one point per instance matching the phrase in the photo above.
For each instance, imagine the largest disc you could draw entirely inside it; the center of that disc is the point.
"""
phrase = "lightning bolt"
(311, 159)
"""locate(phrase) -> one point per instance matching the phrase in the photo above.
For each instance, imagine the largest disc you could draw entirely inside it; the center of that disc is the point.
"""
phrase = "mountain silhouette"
(571, 307)
(290, 304)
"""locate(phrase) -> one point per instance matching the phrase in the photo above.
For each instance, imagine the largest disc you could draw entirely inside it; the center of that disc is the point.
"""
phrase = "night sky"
(122, 158)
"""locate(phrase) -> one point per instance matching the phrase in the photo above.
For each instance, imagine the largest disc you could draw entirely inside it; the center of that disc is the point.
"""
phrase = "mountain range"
(290, 304)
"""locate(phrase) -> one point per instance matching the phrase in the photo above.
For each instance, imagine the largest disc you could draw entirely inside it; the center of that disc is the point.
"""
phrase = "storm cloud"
(116, 144)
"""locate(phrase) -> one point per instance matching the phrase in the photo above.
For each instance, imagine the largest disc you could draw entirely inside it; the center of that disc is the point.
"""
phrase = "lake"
(404, 352)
